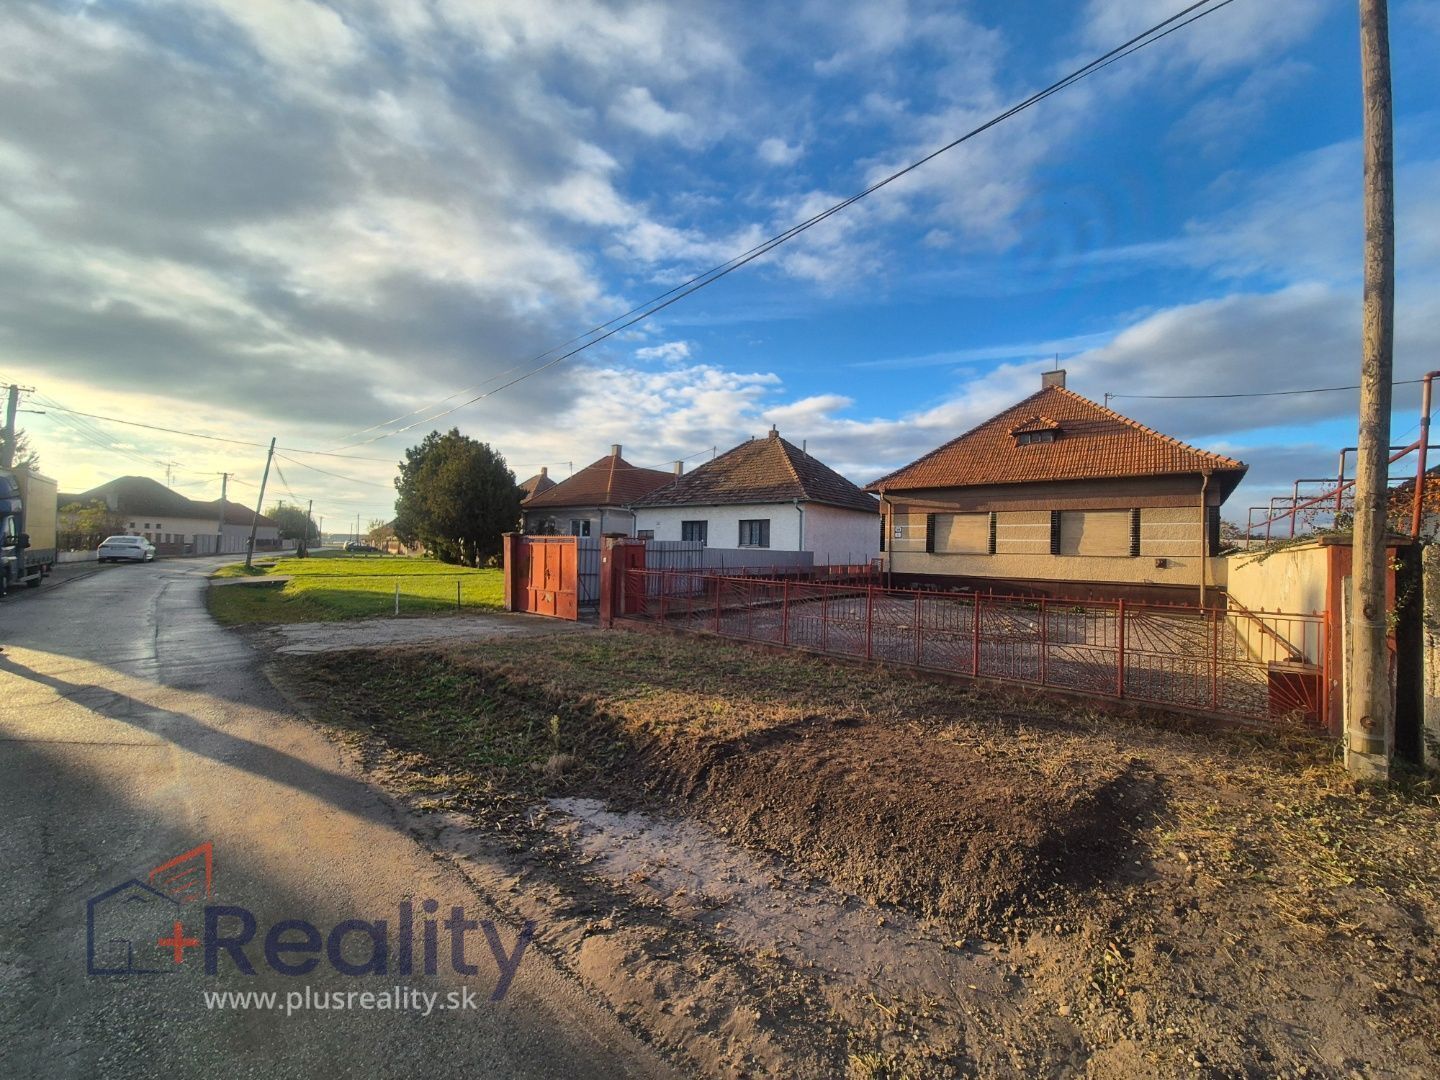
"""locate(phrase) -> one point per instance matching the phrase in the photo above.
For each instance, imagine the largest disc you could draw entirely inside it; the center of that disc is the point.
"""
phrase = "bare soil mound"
(902, 818)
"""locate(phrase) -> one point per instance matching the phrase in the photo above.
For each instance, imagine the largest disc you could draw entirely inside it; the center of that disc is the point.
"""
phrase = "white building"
(177, 525)
(765, 493)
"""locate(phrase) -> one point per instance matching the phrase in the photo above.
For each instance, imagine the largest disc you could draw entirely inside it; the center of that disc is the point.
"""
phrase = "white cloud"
(299, 35)
(1233, 37)
(669, 352)
(637, 108)
(775, 151)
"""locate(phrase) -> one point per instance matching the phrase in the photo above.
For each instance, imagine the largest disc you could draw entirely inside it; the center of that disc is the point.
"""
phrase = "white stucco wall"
(841, 536)
(834, 535)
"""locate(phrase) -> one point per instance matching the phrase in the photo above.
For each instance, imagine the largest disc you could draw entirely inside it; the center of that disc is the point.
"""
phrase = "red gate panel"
(547, 571)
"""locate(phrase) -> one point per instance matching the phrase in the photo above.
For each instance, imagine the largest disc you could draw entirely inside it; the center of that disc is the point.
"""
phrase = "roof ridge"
(785, 447)
(1230, 462)
(963, 435)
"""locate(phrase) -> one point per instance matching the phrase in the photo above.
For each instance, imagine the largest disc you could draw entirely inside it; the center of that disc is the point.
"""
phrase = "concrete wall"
(1430, 677)
(832, 534)
(1294, 580)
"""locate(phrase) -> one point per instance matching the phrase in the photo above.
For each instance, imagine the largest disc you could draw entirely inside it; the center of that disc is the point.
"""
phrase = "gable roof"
(769, 470)
(141, 496)
(536, 484)
(1092, 443)
(611, 481)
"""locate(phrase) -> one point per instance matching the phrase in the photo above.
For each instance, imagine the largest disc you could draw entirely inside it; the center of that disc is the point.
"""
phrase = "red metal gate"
(542, 575)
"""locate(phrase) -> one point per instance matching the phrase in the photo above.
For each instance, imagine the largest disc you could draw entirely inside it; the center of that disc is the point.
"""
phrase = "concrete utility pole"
(12, 405)
(220, 529)
(1370, 723)
(255, 523)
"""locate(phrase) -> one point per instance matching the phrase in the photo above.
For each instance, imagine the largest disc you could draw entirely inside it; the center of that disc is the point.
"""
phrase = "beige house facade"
(1094, 507)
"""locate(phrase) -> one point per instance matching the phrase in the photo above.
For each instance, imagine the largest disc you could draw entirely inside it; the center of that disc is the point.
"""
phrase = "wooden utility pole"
(1370, 721)
(255, 523)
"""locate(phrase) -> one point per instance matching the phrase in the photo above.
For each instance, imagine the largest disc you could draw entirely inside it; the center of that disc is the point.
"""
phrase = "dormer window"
(1037, 429)
(1025, 438)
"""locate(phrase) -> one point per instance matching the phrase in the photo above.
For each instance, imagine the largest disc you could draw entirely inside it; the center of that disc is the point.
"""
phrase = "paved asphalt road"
(134, 729)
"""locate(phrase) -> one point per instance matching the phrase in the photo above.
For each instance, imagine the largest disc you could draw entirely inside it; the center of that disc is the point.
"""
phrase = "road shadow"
(197, 737)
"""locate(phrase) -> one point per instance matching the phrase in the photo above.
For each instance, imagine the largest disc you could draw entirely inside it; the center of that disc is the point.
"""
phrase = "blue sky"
(254, 217)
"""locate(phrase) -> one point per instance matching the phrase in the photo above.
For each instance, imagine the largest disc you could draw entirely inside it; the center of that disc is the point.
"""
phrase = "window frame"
(700, 525)
(760, 525)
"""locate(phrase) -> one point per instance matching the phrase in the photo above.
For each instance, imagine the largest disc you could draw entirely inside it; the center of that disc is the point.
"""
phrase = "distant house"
(538, 483)
(595, 501)
(1060, 496)
(766, 493)
(177, 525)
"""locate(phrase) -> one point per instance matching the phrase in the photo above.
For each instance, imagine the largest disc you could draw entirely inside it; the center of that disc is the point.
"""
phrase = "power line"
(212, 438)
(337, 476)
(700, 281)
(1255, 394)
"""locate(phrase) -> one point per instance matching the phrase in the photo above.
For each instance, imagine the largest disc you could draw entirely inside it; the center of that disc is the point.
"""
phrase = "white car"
(123, 548)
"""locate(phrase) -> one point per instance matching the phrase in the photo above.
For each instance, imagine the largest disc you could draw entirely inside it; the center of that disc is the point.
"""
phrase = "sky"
(325, 222)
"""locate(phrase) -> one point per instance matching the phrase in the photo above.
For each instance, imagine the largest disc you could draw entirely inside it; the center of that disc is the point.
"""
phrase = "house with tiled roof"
(1060, 496)
(536, 484)
(594, 501)
(175, 524)
(766, 493)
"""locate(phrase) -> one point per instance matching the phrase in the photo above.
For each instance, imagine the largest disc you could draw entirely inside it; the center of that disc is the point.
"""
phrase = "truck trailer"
(28, 513)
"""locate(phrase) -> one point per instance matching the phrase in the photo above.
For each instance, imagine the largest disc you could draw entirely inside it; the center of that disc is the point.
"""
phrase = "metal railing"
(1253, 665)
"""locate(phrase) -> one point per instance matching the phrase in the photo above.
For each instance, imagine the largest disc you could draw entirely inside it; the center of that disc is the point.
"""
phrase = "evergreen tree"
(457, 497)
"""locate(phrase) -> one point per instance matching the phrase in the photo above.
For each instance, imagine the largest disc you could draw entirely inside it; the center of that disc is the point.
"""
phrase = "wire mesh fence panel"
(1169, 657)
(1009, 640)
(946, 633)
(1255, 666)
(1082, 647)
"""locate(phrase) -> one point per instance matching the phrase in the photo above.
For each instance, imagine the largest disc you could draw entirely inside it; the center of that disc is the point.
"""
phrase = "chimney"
(615, 449)
(774, 432)
(1053, 378)
(680, 468)
(544, 470)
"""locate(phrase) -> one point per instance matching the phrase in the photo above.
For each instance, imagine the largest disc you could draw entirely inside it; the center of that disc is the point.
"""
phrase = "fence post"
(397, 596)
(457, 596)
(785, 612)
(1120, 648)
(975, 635)
(1044, 638)
(1215, 617)
(716, 579)
(825, 621)
(919, 648)
(869, 622)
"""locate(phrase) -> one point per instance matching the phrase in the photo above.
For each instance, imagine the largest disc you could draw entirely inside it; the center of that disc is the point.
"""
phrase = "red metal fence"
(1230, 663)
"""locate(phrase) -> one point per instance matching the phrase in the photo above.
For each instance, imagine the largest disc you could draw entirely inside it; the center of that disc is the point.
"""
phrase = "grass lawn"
(331, 585)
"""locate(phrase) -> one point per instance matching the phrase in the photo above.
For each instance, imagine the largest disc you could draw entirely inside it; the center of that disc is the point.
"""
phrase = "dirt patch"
(906, 819)
(778, 865)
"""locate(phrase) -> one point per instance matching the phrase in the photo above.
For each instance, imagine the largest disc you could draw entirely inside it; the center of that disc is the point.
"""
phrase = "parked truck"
(28, 514)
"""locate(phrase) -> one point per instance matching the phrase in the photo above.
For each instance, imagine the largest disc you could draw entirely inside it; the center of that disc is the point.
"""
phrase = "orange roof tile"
(766, 470)
(1093, 443)
(536, 484)
(611, 481)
